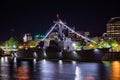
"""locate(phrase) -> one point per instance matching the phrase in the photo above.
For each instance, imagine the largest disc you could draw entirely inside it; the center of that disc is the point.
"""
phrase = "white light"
(60, 65)
(35, 54)
(96, 50)
(44, 60)
(15, 54)
(60, 53)
(34, 61)
(15, 60)
(26, 48)
(73, 44)
(74, 52)
(14, 46)
(74, 62)
(45, 55)
(6, 59)
(60, 62)
(2, 59)
(78, 74)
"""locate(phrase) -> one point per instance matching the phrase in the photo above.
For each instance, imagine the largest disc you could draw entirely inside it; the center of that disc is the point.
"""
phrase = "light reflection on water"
(115, 70)
(23, 71)
(78, 75)
(13, 69)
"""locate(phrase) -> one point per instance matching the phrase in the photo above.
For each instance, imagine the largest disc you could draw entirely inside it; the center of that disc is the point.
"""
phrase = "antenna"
(57, 15)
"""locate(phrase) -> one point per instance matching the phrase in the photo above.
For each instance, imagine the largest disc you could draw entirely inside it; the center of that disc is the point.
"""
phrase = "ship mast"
(61, 26)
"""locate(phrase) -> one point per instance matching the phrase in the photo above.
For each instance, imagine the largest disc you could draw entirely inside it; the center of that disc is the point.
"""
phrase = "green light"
(39, 36)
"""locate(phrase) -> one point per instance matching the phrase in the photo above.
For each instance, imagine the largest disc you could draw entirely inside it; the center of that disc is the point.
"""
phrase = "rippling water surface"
(13, 69)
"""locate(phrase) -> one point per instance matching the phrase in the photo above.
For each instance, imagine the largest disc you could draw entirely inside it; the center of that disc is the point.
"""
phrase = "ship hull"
(29, 53)
(93, 54)
(55, 53)
(82, 55)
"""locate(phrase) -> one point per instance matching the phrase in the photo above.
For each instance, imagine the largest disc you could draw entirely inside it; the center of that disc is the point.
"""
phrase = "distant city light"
(14, 46)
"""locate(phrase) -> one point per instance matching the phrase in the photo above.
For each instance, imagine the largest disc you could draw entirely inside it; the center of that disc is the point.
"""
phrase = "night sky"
(20, 17)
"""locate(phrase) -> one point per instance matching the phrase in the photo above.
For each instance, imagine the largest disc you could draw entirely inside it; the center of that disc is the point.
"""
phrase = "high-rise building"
(113, 28)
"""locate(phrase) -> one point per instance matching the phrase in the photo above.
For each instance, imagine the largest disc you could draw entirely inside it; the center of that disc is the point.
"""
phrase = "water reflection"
(23, 71)
(78, 74)
(13, 69)
(89, 71)
(115, 70)
(34, 61)
(74, 62)
(4, 68)
(89, 77)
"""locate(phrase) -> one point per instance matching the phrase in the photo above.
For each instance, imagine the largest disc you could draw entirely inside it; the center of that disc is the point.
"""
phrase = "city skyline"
(18, 18)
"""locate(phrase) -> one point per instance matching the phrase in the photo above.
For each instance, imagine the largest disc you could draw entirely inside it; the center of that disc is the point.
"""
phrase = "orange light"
(20, 47)
(32, 46)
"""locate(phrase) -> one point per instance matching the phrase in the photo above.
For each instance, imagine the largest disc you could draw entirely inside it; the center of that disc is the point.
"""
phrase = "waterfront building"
(75, 37)
(113, 28)
(104, 36)
(27, 37)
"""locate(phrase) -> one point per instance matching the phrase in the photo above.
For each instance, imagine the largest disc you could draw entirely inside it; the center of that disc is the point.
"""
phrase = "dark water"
(12, 69)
